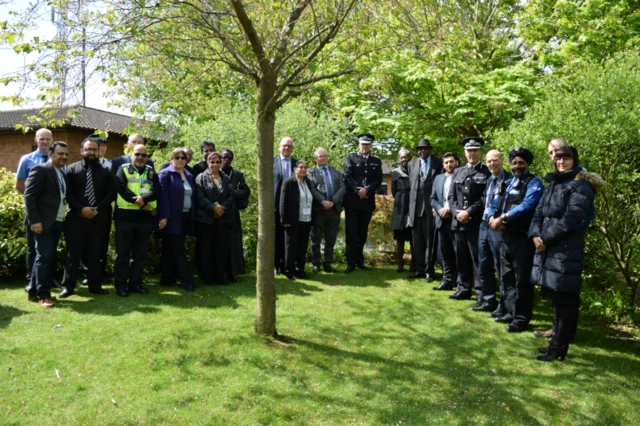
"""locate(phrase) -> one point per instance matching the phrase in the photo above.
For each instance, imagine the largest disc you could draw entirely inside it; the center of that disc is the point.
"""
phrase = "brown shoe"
(46, 303)
(547, 334)
(35, 298)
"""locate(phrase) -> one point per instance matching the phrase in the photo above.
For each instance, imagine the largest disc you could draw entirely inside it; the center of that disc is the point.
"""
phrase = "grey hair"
(403, 151)
(315, 153)
(133, 136)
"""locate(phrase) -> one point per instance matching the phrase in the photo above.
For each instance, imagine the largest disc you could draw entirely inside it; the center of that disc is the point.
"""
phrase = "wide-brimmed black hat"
(473, 143)
(424, 143)
(366, 138)
(523, 153)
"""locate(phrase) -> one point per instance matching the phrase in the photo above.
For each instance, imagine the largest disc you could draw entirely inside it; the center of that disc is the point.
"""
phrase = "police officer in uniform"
(363, 177)
(138, 189)
(466, 205)
(512, 219)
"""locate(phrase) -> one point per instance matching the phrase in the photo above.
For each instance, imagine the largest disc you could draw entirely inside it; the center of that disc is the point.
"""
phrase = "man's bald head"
(43, 139)
(494, 161)
(286, 146)
(554, 145)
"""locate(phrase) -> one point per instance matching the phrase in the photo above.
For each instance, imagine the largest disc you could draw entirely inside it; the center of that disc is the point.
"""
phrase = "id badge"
(144, 190)
(306, 211)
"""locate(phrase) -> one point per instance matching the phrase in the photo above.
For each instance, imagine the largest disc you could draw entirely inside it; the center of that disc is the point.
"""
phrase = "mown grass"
(365, 348)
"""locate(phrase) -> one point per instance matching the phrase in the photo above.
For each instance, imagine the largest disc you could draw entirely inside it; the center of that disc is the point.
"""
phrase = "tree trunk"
(265, 284)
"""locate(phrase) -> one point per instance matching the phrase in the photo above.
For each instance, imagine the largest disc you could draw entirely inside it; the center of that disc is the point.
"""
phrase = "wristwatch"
(505, 218)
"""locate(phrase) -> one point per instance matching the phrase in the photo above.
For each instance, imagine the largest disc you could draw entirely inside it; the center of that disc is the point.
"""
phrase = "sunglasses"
(563, 157)
(137, 154)
(226, 157)
(215, 162)
(179, 158)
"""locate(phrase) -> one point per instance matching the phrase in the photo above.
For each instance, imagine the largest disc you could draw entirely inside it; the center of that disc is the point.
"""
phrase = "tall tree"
(280, 47)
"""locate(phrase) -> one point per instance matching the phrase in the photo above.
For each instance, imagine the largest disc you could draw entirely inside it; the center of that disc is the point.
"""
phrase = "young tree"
(165, 54)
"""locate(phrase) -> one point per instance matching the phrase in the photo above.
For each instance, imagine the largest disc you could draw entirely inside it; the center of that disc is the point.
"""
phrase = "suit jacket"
(438, 196)
(290, 201)
(466, 193)
(199, 167)
(359, 172)
(319, 188)
(278, 178)
(104, 186)
(124, 159)
(172, 200)
(42, 195)
(419, 202)
(208, 194)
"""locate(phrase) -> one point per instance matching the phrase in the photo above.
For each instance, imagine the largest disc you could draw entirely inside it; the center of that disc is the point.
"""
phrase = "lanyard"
(60, 182)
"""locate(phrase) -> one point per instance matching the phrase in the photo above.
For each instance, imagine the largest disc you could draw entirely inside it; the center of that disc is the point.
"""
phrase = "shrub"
(13, 241)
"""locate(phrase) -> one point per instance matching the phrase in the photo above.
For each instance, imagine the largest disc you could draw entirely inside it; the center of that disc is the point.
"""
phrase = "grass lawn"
(366, 348)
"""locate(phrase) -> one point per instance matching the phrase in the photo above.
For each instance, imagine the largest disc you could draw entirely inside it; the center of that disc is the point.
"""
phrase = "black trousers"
(296, 242)
(516, 261)
(279, 248)
(424, 242)
(566, 318)
(174, 263)
(325, 223)
(356, 229)
(447, 243)
(214, 254)
(467, 261)
(83, 236)
(30, 255)
(132, 246)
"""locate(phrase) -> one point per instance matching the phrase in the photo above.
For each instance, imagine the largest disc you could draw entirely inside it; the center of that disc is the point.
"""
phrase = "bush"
(13, 241)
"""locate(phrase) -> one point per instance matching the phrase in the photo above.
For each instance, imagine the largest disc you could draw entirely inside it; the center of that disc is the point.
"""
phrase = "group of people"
(495, 231)
(177, 201)
(499, 232)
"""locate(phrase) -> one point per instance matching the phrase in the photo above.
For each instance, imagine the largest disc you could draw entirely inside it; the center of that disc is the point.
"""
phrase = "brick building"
(77, 124)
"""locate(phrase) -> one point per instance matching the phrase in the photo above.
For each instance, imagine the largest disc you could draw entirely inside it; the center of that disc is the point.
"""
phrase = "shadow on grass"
(8, 313)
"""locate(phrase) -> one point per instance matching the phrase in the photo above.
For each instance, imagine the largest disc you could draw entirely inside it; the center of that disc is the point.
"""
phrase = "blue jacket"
(172, 200)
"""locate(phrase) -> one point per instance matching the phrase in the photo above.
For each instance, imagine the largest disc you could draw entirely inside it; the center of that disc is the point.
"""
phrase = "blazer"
(278, 178)
(124, 159)
(359, 172)
(208, 195)
(319, 188)
(104, 186)
(438, 197)
(172, 200)
(290, 201)
(42, 195)
(435, 168)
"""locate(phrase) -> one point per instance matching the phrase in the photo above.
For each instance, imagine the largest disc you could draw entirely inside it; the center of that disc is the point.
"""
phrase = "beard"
(90, 162)
(519, 173)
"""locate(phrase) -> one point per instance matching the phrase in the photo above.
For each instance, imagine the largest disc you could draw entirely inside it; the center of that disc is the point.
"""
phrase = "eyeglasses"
(215, 162)
(226, 157)
(137, 154)
(91, 149)
(563, 158)
(180, 158)
(301, 167)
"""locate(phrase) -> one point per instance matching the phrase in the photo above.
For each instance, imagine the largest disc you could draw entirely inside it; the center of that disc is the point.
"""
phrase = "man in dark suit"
(466, 205)
(328, 190)
(46, 205)
(283, 166)
(446, 236)
(363, 177)
(90, 190)
(206, 148)
(134, 139)
(422, 171)
(488, 239)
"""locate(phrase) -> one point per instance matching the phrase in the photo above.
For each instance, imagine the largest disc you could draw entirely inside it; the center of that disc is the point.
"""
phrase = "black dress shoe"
(290, 276)
(85, 282)
(461, 295)
(139, 289)
(328, 267)
(444, 285)
(65, 292)
(516, 328)
(416, 276)
(316, 269)
(190, 288)
(231, 278)
(429, 278)
(302, 275)
(350, 268)
(498, 312)
(222, 282)
(506, 319)
(122, 292)
(485, 306)
(554, 352)
(99, 291)
(363, 267)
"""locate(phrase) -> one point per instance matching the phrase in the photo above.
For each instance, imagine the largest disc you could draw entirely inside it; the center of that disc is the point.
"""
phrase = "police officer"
(512, 218)
(363, 177)
(138, 189)
(466, 205)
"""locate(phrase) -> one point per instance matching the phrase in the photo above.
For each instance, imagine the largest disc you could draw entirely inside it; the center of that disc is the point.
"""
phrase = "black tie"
(89, 192)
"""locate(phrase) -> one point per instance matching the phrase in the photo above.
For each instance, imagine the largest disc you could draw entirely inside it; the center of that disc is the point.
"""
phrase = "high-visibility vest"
(139, 184)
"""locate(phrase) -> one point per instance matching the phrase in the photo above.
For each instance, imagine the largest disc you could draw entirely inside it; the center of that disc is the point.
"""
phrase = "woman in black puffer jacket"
(559, 240)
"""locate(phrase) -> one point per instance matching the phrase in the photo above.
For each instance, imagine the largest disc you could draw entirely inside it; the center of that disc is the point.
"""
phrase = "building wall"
(14, 145)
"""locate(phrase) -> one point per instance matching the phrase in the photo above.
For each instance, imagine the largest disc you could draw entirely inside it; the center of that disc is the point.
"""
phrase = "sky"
(11, 62)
